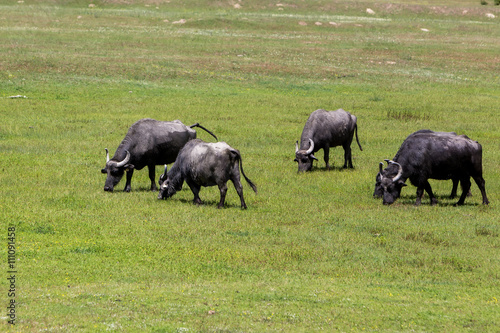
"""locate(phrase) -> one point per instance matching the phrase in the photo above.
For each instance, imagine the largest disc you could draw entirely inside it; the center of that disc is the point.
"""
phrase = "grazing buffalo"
(429, 155)
(323, 130)
(148, 143)
(378, 192)
(205, 164)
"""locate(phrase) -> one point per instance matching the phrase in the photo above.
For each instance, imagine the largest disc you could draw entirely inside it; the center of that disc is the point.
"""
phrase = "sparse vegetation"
(313, 251)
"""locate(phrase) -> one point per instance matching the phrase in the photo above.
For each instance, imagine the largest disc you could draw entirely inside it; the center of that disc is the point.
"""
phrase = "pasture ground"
(315, 251)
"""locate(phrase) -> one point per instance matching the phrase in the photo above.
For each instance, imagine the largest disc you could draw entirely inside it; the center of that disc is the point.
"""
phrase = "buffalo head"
(389, 188)
(305, 157)
(115, 170)
(167, 186)
(167, 189)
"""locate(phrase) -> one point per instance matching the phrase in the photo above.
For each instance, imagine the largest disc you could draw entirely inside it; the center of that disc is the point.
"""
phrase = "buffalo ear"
(313, 157)
(104, 171)
(295, 159)
(129, 167)
(401, 183)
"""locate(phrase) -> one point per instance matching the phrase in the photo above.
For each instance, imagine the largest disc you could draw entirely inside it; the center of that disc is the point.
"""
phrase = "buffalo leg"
(348, 156)
(196, 192)
(465, 182)
(428, 189)
(481, 184)
(151, 169)
(223, 191)
(239, 190)
(326, 156)
(420, 195)
(454, 189)
(453, 194)
(127, 188)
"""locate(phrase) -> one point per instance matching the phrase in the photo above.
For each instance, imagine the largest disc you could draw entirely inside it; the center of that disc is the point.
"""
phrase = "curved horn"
(380, 170)
(107, 155)
(400, 171)
(311, 148)
(125, 161)
(296, 146)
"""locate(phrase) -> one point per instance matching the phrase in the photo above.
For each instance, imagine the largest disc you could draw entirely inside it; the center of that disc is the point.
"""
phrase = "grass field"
(313, 252)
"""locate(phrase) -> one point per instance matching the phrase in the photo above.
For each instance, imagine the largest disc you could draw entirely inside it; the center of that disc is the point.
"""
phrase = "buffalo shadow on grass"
(333, 168)
(443, 200)
(207, 203)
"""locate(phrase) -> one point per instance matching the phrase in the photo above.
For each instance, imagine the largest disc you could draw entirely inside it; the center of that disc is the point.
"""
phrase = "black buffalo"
(378, 192)
(148, 143)
(205, 164)
(433, 155)
(323, 130)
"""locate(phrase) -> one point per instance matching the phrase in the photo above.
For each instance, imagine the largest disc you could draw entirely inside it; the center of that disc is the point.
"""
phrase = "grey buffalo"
(323, 130)
(428, 155)
(205, 164)
(148, 143)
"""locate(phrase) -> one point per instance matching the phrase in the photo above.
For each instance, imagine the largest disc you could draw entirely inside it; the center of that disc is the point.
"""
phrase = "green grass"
(313, 251)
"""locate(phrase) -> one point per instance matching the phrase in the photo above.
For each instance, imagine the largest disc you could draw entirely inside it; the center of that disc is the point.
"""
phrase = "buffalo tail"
(203, 128)
(357, 140)
(254, 187)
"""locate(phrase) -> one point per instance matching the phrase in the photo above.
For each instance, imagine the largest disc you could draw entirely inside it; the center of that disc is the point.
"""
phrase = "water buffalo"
(378, 192)
(148, 143)
(429, 155)
(323, 130)
(205, 164)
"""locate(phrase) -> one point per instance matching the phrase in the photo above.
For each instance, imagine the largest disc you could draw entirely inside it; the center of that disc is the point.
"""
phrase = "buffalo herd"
(423, 155)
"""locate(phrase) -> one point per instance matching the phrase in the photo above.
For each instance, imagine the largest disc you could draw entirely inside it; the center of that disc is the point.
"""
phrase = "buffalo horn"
(125, 161)
(380, 170)
(107, 155)
(400, 171)
(311, 148)
(296, 146)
